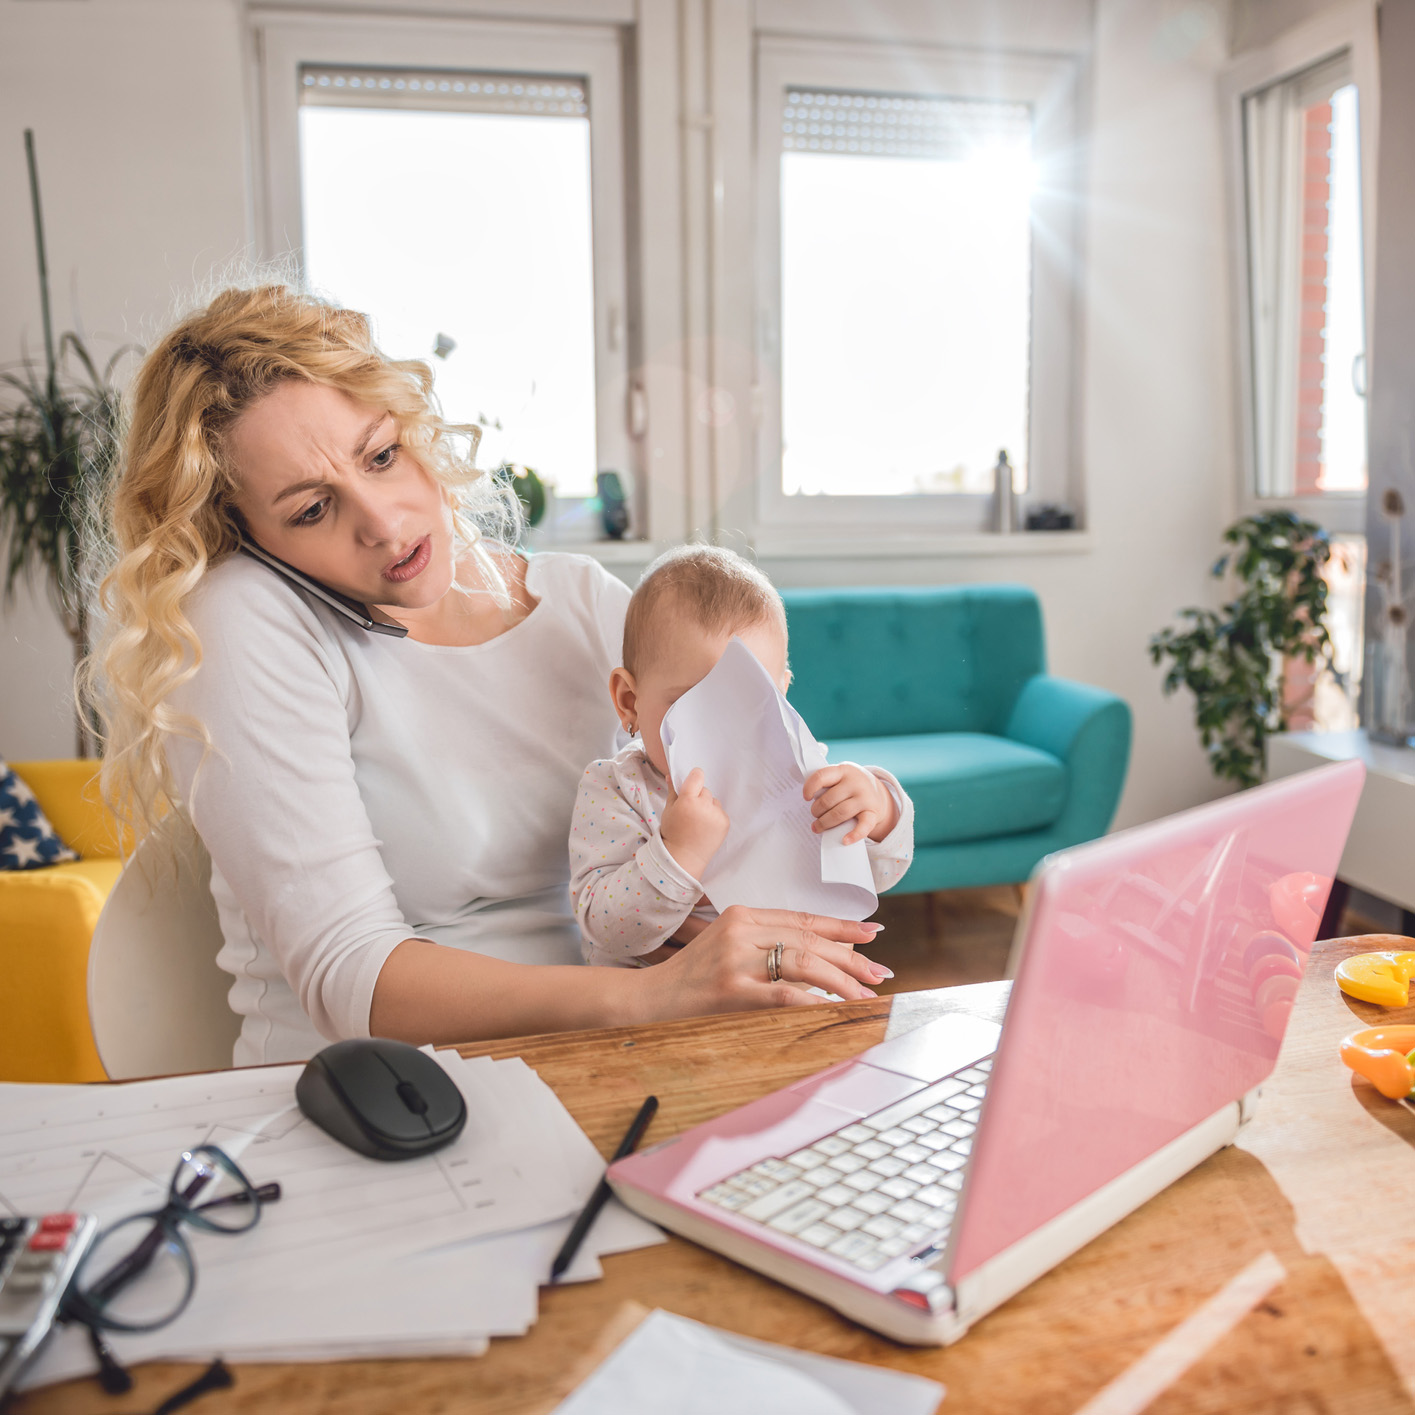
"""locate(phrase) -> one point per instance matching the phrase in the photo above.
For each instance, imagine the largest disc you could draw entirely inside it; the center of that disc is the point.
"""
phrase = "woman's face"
(325, 485)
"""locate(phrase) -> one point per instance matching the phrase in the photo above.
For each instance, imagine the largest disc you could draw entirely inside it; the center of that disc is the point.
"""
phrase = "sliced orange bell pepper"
(1380, 1055)
(1382, 978)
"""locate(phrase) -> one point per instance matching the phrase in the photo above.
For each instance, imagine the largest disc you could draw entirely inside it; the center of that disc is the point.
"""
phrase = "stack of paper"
(358, 1257)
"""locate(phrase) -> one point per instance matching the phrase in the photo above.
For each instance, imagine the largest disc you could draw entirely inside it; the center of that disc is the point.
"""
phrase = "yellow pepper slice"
(1383, 978)
(1379, 1054)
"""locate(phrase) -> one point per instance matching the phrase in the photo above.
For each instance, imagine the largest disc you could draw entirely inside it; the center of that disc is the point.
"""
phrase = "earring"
(632, 727)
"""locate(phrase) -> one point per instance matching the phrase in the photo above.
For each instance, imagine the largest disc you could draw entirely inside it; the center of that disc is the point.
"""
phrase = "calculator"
(38, 1259)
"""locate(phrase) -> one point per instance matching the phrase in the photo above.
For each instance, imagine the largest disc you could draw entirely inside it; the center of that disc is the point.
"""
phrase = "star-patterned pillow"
(27, 840)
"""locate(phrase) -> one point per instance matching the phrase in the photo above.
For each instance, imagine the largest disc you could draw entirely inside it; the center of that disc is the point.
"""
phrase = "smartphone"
(351, 609)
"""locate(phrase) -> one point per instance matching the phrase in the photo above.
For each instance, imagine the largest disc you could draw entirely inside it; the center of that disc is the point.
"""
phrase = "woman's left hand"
(846, 791)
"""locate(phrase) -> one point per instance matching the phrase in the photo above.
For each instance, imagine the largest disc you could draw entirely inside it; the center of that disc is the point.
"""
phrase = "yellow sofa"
(46, 921)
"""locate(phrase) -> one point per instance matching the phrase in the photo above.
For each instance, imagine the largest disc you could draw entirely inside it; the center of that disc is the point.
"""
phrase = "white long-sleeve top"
(630, 893)
(363, 790)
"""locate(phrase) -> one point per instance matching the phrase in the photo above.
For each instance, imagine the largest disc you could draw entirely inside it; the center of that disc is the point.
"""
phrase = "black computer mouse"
(385, 1099)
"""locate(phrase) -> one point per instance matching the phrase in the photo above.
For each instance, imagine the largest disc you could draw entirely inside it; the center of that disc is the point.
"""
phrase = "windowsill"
(1339, 512)
(1019, 544)
(607, 552)
(779, 546)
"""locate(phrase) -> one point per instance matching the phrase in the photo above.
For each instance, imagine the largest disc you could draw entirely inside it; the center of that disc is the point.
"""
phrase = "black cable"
(217, 1376)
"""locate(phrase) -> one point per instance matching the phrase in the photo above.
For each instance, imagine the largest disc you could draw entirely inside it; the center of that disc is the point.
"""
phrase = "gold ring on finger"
(773, 963)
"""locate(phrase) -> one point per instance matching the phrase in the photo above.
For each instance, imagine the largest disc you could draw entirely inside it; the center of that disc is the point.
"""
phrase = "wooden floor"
(964, 935)
(939, 940)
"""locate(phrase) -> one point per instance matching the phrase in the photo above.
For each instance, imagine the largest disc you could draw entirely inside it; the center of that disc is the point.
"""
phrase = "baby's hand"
(844, 791)
(694, 824)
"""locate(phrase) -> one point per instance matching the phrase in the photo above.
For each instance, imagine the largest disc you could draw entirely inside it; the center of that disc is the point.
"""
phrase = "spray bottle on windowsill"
(1004, 499)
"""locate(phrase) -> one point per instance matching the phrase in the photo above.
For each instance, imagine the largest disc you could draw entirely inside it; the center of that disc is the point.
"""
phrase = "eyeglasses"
(139, 1274)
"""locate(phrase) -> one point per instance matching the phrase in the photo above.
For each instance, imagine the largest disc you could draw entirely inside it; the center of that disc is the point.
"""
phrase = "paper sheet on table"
(756, 753)
(357, 1255)
(672, 1366)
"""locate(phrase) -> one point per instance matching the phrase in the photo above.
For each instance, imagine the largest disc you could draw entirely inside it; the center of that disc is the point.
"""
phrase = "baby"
(638, 850)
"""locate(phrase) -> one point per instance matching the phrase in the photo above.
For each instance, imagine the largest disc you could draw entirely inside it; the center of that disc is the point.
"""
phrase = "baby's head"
(687, 609)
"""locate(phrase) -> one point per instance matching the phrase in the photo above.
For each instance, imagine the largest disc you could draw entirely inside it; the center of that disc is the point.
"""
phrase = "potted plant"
(1233, 659)
(58, 436)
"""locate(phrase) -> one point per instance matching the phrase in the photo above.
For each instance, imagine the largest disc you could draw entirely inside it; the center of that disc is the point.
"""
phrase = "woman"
(386, 817)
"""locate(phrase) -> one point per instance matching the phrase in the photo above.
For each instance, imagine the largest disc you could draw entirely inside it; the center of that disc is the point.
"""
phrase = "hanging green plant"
(59, 429)
(1232, 658)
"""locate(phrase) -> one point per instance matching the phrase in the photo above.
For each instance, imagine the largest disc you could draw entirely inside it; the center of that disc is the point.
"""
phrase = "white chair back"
(156, 999)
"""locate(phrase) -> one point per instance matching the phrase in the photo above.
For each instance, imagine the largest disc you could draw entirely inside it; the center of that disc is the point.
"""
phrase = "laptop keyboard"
(875, 1189)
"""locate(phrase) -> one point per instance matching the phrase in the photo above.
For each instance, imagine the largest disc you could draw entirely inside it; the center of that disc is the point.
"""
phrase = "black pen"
(590, 1212)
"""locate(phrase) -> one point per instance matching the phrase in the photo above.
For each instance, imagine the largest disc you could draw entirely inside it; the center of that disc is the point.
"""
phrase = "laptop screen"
(1156, 979)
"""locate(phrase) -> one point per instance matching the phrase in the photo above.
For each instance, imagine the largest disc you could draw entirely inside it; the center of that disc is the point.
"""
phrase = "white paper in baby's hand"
(756, 753)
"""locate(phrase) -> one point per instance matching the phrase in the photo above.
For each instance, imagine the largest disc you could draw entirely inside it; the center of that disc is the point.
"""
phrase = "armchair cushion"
(46, 922)
(27, 840)
(966, 785)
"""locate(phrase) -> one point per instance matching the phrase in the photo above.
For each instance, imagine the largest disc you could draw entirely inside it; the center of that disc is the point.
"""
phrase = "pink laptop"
(920, 1185)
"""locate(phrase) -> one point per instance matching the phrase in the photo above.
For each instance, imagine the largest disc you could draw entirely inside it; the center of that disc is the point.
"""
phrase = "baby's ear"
(624, 695)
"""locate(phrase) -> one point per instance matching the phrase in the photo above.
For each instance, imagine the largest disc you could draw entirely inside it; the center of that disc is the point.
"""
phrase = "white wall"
(1392, 419)
(1259, 22)
(138, 112)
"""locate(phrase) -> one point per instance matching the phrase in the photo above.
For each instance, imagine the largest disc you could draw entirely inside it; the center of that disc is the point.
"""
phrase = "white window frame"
(591, 53)
(1351, 29)
(1052, 85)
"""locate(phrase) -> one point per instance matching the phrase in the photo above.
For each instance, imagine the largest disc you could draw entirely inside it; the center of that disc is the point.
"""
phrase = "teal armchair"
(948, 689)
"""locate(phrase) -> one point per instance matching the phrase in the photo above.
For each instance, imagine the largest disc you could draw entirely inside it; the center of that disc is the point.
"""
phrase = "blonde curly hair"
(170, 511)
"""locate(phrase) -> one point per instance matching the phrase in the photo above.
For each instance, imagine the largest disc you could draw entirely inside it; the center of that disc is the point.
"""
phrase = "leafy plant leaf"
(1232, 659)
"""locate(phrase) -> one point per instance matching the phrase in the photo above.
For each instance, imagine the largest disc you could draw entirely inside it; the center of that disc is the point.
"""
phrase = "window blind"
(894, 125)
(548, 95)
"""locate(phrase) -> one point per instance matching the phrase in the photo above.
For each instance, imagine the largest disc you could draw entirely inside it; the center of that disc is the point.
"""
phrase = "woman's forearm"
(429, 993)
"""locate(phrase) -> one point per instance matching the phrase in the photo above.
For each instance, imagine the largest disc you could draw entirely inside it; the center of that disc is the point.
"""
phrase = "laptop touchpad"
(931, 1052)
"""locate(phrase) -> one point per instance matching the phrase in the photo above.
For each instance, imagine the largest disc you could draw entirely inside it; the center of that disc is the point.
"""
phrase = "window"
(919, 260)
(463, 185)
(500, 296)
(1302, 118)
(1306, 292)
(897, 298)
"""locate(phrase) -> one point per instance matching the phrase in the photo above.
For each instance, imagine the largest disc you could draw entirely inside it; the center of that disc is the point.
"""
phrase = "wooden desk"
(1322, 1179)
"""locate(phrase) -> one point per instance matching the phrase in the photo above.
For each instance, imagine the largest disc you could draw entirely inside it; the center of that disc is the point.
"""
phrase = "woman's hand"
(724, 969)
(694, 825)
(844, 791)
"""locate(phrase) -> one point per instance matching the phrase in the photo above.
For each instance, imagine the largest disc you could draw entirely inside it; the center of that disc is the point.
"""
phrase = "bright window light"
(472, 228)
(1343, 380)
(906, 293)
